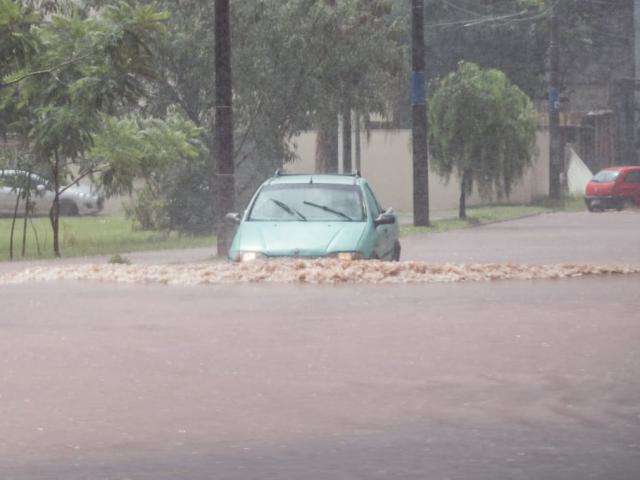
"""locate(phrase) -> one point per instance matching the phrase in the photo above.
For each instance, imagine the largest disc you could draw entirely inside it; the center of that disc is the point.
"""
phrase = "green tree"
(17, 45)
(508, 36)
(483, 128)
(82, 67)
(271, 66)
(168, 161)
(513, 36)
(358, 59)
(295, 64)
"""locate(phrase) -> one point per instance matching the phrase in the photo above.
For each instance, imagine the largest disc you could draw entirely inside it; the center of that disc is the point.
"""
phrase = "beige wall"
(386, 164)
(578, 174)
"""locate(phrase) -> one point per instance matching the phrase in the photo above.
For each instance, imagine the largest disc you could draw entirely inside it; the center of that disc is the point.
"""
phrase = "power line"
(461, 9)
(503, 20)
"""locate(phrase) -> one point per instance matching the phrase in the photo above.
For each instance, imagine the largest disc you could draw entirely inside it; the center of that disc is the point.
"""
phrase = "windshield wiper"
(330, 210)
(288, 209)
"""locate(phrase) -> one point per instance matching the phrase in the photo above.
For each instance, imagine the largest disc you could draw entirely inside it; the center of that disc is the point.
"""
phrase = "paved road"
(509, 380)
(612, 237)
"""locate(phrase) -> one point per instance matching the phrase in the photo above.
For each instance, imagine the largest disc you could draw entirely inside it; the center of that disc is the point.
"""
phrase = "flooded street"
(319, 240)
(510, 379)
(513, 379)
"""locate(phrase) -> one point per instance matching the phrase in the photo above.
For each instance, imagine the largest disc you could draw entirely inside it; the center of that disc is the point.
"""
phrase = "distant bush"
(119, 260)
(171, 161)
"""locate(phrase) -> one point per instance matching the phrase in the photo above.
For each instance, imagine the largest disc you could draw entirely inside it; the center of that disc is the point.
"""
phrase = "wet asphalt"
(503, 380)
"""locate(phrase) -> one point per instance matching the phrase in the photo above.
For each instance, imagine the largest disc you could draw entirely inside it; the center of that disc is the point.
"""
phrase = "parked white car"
(75, 200)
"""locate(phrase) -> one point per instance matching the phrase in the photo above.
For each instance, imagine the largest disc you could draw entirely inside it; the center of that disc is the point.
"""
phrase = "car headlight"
(249, 256)
(348, 256)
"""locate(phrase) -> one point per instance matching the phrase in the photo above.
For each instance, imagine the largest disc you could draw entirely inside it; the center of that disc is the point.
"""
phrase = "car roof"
(334, 179)
(10, 171)
(622, 168)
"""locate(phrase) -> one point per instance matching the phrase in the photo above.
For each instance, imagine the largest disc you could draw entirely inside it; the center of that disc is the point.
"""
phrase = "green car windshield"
(308, 202)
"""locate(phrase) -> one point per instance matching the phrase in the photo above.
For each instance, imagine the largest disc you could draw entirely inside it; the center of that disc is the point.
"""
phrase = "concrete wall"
(578, 174)
(387, 165)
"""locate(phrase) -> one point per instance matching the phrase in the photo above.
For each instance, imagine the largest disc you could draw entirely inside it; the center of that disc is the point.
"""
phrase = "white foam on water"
(322, 271)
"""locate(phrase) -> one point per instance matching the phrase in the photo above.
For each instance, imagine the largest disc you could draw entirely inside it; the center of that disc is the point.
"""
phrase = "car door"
(384, 241)
(41, 195)
(630, 186)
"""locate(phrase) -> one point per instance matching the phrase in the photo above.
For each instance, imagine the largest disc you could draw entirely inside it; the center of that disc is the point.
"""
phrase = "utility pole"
(223, 134)
(636, 29)
(555, 152)
(346, 140)
(419, 107)
(358, 141)
(328, 122)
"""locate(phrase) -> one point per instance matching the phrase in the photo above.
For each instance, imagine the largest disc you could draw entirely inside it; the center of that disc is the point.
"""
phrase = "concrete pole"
(636, 24)
(636, 29)
(555, 143)
(419, 107)
(347, 141)
(223, 134)
(358, 141)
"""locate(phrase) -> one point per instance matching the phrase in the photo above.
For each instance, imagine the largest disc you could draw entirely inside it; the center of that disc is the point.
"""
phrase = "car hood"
(599, 189)
(298, 238)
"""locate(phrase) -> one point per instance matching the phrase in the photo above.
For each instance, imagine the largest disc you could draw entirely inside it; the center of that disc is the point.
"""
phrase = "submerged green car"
(315, 216)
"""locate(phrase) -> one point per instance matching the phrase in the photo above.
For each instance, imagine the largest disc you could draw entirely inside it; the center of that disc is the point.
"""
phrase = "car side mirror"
(233, 217)
(386, 218)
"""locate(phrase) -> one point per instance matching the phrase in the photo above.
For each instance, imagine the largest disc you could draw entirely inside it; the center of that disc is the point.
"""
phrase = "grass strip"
(86, 236)
(495, 213)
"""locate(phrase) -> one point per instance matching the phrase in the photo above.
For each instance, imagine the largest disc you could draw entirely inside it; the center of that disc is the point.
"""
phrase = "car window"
(606, 176)
(311, 202)
(376, 209)
(20, 180)
(37, 180)
(633, 177)
(10, 180)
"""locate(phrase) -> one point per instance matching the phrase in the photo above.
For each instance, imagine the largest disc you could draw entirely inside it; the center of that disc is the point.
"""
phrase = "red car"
(615, 187)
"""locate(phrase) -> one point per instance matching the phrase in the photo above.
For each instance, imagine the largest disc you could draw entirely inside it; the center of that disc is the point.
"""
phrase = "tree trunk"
(54, 214)
(13, 223)
(26, 218)
(464, 186)
(347, 166)
(327, 147)
(35, 235)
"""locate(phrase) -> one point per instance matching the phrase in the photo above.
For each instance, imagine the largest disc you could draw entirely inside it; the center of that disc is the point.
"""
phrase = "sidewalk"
(149, 257)
(406, 218)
